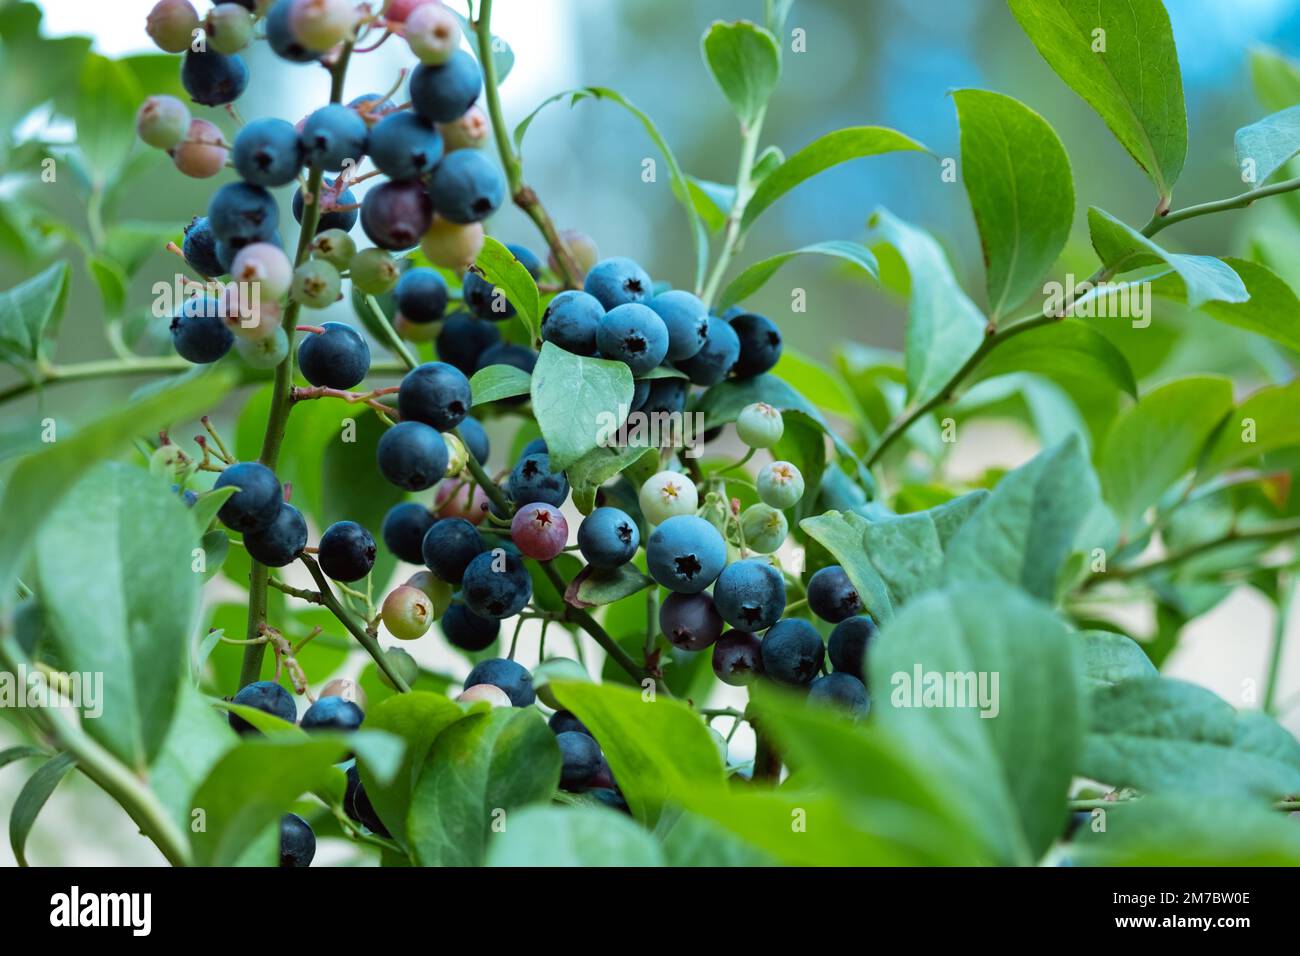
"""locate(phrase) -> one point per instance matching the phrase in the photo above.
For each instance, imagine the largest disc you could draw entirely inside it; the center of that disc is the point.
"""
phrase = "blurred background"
(867, 62)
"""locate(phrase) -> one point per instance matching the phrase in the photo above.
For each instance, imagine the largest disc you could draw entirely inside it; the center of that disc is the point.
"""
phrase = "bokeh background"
(887, 62)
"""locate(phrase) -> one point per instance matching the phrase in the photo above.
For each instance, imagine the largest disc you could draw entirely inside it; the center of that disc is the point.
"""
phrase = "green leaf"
(602, 463)
(1162, 735)
(20, 752)
(843, 533)
(107, 100)
(572, 836)
(1263, 423)
(1122, 60)
(1155, 442)
(476, 769)
(112, 282)
(31, 799)
(908, 551)
(196, 740)
(654, 747)
(1276, 78)
(1264, 147)
(746, 62)
(944, 327)
(1122, 248)
(31, 311)
(1069, 350)
(495, 382)
(1109, 658)
(594, 587)
(754, 277)
(500, 267)
(503, 57)
(205, 509)
(132, 618)
(694, 841)
(1272, 309)
(1038, 515)
(821, 154)
(578, 402)
(1014, 768)
(1021, 191)
(712, 201)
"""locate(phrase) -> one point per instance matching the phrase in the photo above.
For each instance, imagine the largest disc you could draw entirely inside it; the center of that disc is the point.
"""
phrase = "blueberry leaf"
(594, 586)
(578, 401)
(572, 836)
(1270, 415)
(198, 737)
(712, 201)
(500, 267)
(495, 382)
(1109, 658)
(756, 275)
(1070, 351)
(842, 534)
(908, 551)
(746, 63)
(30, 312)
(107, 98)
(1272, 309)
(1276, 78)
(1264, 147)
(31, 799)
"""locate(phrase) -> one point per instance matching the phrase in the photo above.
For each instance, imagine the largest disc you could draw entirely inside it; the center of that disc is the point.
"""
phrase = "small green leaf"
(20, 752)
(909, 551)
(694, 841)
(579, 402)
(112, 282)
(108, 97)
(843, 534)
(1268, 418)
(503, 57)
(594, 587)
(572, 836)
(495, 382)
(754, 277)
(1275, 77)
(746, 62)
(1266, 146)
(31, 799)
(1070, 350)
(31, 311)
(1109, 658)
(499, 266)
(198, 737)
(205, 509)
(1272, 309)
(712, 201)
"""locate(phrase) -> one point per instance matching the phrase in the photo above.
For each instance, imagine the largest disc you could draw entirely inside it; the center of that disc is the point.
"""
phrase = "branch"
(1274, 531)
(732, 235)
(364, 637)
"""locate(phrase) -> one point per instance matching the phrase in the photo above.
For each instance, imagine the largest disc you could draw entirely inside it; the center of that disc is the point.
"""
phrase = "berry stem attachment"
(490, 487)
(392, 341)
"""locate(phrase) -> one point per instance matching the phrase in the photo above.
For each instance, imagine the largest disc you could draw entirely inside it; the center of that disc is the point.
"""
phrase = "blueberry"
(333, 137)
(563, 722)
(200, 248)
(449, 546)
(685, 554)
(793, 652)
(511, 676)
(714, 360)
(690, 621)
(532, 480)
(475, 438)
(832, 596)
(280, 542)
(357, 805)
(445, 92)
(240, 213)
(640, 394)
(581, 759)
(570, 322)
(760, 345)
(258, 500)
(667, 396)
(466, 187)
(343, 219)
(335, 358)
(267, 152)
(278, 33)
(332, 713)
(422, 295)
(404, 529)
(266, 696)
(346, 551)
(608, 538)
(687, 320)
(847, 645)
(484, 300)
(750, 594)
(199, 334)
(412, 456)
(404, 145)
(297, 841)
(467, 630)
(435, 393)
(396, 214)
(618, 281)
(841, 691)
(737, 658)
(633, 334)
(212, 78)
(463, 339)
(535, 447)
(496, 584)
(610, 798)
(507, 353)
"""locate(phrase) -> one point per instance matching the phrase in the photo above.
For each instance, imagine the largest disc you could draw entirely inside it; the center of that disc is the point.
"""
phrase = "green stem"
(490, 487)
(744, 189)
(1285, 595)
(1274, 531)
(389, 334)
(364, 637)
(1240, 201)
(107, 368)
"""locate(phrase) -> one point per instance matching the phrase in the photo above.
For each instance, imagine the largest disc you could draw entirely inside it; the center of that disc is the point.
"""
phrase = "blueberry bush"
(821, 648)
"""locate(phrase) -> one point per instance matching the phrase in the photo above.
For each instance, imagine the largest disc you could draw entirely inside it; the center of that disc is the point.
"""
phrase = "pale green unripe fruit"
(432, 33)
(779, 484)
(162, 121)
(763, 527)
(316, 284)
(403, 663)
(229, 28)
(457, 454)
(374, 272)
(168, 461)
(171, 25)
(759, 425)
(407, 613)
(438, 590)
(321, 24)
(471, 131)
(452, 245)
(334, 246)
(266, 264)
(491, 693)
(556, 668)
(667, 494)
(267, 352)
(415, 331)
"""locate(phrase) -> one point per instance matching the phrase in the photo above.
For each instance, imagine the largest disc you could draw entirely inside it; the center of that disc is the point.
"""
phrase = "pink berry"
(321, 24)
(539, 530)
(469, 132)
(162, 121)
(200, 155)
(398, 10)
(432, 33)
(265, 264)
(249, 312)
(454, 499)
(452, 245)
(171, 25)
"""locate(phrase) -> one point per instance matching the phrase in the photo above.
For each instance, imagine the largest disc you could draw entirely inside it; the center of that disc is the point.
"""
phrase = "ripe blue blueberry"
(832, 596)
(508, 353)
(346, 551)
(449, 546)
(760, 345)
(532, 480)
(266, 696)
(793, 652)
(396, 214)
(463, 339)
(445, 92)
(241, 213)
(199, 334)
(511, 676)
(267, 152)
(258, 500)
(848, 644)
(750, 594)
(357, 805)
(280, 542)
(686, 554)
(343, 219)
(332, 714)
(690, 621)
(667, 396)
(841, 691)
(563, 722)
(404, 145)
(608, 538)
(404, 529)
(213, 79)
(633, 334)
(466, 187)
(281, 37)
(435, 393)
(618, 281)
(535, 447)
(200, 248)
(580, 760)
(335, 358)
(687, 320)
(468, 631)
(737, 658)
(496, 584)
(334, 137)
(412, 456)
(297, 841)
(484, 300)
(714, 360)
(422, 295)
(570, 321)
(475, 438)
